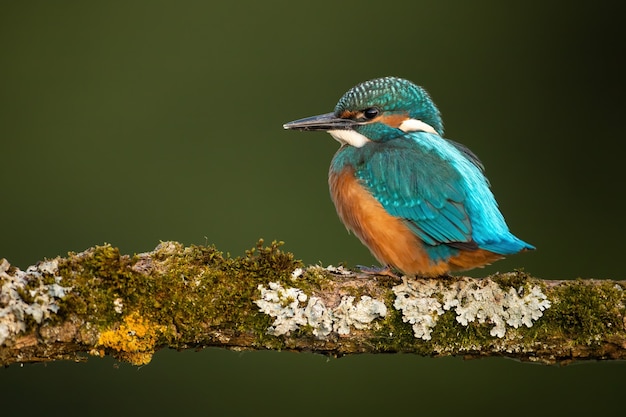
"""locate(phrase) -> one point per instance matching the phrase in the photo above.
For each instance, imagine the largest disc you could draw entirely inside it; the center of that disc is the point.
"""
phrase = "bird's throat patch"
(349, 137)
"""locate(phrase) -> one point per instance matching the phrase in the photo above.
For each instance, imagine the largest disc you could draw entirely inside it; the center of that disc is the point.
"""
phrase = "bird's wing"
(422, 187)
(468, 154)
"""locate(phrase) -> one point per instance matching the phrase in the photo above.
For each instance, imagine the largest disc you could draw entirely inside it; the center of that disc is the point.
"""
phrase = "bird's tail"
(506, 246)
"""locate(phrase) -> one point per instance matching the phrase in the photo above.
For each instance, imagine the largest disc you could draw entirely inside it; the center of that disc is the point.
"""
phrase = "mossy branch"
(100, 302)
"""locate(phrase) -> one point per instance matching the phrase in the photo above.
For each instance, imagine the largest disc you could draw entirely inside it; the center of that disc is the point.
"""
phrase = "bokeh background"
(131, 122)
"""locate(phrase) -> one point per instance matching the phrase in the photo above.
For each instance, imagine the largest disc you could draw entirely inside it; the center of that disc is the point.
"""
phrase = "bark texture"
(100, 302)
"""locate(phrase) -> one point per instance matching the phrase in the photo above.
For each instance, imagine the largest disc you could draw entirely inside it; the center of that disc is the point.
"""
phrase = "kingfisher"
(419, 202)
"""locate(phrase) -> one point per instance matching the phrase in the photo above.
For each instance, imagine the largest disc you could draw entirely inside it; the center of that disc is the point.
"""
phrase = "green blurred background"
(133, 122)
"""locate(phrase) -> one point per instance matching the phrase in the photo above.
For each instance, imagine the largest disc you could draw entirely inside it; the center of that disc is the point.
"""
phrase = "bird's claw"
(374, 270)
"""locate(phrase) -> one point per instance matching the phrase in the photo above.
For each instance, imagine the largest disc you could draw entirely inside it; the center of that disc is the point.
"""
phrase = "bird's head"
(377, 110)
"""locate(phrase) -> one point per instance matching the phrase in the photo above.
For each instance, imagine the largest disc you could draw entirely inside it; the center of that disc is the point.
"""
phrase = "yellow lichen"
(133, 341)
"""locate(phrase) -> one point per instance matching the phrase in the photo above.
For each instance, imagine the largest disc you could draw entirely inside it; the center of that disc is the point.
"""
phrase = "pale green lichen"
(420, 305)
(286, 304)
(293, 309)
(297, 273)
(28, 295)
(423, 301)
(359, 316)
(319, 317)
(118, 305)
(338, 270)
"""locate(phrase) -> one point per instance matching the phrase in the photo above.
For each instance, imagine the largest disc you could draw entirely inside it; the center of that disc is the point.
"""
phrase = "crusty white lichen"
(292, 308)
(359, 316)
(423, 301)
(118, 305)
(285, 304)
(335, 270)
(23, 295)
(338, 270)
(420, 306)
(297, 273)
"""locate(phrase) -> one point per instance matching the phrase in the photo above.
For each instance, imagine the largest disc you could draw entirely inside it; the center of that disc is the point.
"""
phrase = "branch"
(100, 302)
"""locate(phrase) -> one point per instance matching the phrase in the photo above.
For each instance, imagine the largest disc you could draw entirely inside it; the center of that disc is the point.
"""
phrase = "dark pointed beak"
(326, 121)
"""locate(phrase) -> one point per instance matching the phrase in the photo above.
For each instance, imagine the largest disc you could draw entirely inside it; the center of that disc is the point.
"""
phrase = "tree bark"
(100, 302)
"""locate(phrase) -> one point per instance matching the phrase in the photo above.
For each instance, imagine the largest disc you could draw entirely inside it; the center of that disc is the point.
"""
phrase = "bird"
(419, 202)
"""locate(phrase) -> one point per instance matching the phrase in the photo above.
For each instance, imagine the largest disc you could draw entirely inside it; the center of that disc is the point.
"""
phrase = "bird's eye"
(370, 113)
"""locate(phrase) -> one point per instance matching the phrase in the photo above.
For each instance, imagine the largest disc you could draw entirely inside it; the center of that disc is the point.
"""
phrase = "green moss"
(187, 290)
(394, 335)
(585, 312)
(25, 295)
(449, 334)
(515, 279)
(97, 277)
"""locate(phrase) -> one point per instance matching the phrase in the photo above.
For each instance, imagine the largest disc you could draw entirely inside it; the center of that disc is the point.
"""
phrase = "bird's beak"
(326, 121)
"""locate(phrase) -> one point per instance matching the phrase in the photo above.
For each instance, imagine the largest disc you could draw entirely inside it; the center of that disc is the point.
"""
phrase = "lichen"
(296, 273)
(359, 316)
(338, 270)
(423, 301)
(28, 296)
(293, 309)
(319, 317)
(134, 340)
(420, 305)
(286, 304)
(118, 305)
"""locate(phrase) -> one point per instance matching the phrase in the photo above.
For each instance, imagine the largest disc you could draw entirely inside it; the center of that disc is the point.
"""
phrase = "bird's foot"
(382, 270)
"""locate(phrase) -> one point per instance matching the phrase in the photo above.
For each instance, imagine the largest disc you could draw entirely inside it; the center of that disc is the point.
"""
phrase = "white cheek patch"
(414, 125)
(349, 137)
